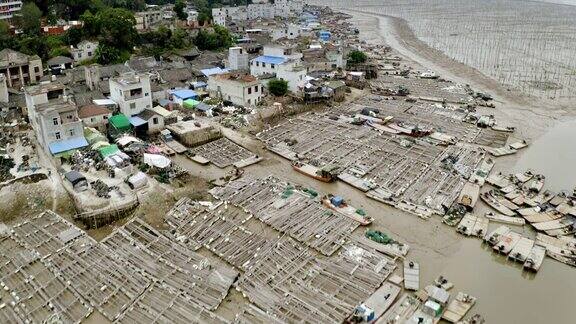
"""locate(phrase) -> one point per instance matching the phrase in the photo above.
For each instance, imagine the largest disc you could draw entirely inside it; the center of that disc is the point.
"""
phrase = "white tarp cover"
(156, 160)
(138, 180)
(127, 139)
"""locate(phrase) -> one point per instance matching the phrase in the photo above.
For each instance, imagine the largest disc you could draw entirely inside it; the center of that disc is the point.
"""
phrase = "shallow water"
(553, 155)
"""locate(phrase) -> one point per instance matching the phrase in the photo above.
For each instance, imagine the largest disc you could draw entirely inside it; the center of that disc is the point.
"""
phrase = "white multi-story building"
(85, 50)
(240, 89)
(288, 31)
(54, 118)
(132, 92)
(282, 62)
(238, 59)
(8, 8)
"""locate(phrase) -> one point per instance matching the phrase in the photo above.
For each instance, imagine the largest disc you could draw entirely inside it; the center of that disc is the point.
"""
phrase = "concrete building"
(8, 8)
(157, 119)
(85, 50)
(288, 31)
(238, 59)
(132, 92)
(281, 62)
(4, 96)
(95, 116)
(54, 118)
(20, 69)
(146, 19)
(98, 77)
(240, 89)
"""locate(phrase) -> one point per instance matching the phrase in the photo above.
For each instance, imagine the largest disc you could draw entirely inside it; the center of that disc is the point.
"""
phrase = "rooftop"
(8, 56)
(184, 93)
(270, 59)
(214, 71)
(243, 78)
(92, 110)
(44, 88)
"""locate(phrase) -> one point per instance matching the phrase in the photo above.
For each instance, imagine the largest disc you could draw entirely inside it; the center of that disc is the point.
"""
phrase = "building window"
(146, 94)
(92, 120)
(249, 102)
(272, 65)
(36, 69)
(55, 121)
(155, 120)
(57, 134)
(257, 63)
(263, 64)
(71, 132)
(89, 54)
(133, 105)
(105, 117)
(255, 88)
(249, 90)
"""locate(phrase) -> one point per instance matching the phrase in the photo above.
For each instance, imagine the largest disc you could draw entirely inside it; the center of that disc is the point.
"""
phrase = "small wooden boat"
(321, 174)
(443, 283)
(535, 258)
(340, 206)
(505, 219)
(507, 242)
(473, 225)
(522, 249)
(535, 184)
(469, 195)
(475, 319)
(458, 307)
(493, 237)
(411, 275)
(493, 202)
(481, 173)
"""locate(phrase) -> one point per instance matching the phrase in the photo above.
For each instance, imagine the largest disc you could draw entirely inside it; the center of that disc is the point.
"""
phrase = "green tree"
(356, 57)
(106, 54)
(117, 28)
(278, 87)
(29, 19)
(179, 9)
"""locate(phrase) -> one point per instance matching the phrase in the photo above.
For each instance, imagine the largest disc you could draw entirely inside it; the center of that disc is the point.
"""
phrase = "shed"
(190, 103)
(337, 201)
(67, 145)
(181, 95)
(78, 181)
(108, 150)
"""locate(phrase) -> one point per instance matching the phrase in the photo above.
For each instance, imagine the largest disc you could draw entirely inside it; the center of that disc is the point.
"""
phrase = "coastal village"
(230, 185)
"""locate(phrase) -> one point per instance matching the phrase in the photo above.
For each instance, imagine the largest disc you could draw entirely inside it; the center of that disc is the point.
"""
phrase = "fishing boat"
(505, 219)
(340, 206)
(325, 174)
(493, 237)
(507, 242)
(522, 249)
(481, 173)
(469, 195)
(535, 258)
(383, 243)
(411, 275)
(492, 201)
(458, 307)
(475, 319)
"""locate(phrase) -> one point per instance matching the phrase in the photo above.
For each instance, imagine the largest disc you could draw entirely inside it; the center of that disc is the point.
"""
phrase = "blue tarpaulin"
(137, 121)
(270, 59)
(213, 71)
(337, 201)
(184, 94)
(67, 145)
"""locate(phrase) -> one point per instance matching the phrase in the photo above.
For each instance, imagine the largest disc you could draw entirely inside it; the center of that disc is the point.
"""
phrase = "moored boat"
(535, 258)
(325, 174)
(340, 206)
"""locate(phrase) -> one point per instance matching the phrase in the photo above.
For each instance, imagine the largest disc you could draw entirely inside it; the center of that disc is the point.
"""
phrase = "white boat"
(489, 198)
(473, 225)
(494, 236)
(522, 249)
(535, 258)
(459, 307)
(507, 242)
(411, 275)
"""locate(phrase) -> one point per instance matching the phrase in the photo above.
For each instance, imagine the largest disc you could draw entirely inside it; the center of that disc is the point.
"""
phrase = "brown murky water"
(505, 293)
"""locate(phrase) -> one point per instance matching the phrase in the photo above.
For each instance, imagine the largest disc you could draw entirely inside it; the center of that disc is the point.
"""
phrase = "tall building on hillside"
(20, 69)
(8, 8)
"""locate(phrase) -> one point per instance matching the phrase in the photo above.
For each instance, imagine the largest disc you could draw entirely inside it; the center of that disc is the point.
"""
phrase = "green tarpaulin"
(120, 122)
(108, 150)
(191, 103)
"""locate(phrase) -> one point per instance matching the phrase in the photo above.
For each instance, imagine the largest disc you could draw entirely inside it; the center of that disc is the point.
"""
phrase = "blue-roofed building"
(324, 35)
(281, 62)
(54, 118)
(181, 95)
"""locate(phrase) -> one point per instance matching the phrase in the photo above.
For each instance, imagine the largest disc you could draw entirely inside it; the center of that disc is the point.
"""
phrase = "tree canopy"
(356, 57)
(218, 39)
(29, 19)
(179, 7)
(278, 87)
